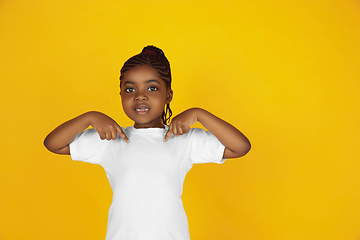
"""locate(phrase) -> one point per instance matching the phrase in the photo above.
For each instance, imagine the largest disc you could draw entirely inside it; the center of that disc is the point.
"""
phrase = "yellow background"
(286, 73)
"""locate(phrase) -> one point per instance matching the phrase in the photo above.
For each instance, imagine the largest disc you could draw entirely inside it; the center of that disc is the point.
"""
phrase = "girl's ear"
(169, 95)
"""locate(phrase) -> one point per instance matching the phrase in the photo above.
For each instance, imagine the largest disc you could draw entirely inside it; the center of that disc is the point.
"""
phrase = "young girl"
(146, 163)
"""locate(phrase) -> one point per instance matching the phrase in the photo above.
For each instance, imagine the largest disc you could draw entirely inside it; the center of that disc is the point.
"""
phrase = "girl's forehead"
(140, 74)
(141, 70)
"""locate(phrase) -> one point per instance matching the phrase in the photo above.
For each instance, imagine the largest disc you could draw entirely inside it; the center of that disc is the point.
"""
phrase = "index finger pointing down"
(168, 133)
(122, 134)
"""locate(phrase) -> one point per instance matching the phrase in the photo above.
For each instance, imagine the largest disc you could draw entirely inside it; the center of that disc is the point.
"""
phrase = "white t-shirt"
(146, 176)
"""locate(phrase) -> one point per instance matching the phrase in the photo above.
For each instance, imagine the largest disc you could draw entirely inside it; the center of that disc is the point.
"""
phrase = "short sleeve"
(205, 147)
(88, 147)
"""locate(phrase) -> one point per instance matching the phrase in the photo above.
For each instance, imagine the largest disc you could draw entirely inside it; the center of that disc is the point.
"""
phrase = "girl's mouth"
(142, 110)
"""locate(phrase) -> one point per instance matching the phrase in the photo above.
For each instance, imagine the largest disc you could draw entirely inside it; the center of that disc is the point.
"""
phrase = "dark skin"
(144, 95)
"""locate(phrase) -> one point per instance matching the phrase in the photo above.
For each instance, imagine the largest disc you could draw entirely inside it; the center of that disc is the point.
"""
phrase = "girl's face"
(143, 96)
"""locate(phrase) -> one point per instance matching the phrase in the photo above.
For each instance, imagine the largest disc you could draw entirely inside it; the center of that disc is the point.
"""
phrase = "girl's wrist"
(199, 113)
(88, 117)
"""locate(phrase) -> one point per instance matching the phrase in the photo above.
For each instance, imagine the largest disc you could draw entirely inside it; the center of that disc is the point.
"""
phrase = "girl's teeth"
(139, 109)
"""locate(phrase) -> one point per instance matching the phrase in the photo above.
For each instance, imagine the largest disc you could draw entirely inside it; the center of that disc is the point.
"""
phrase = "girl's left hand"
(181, 123)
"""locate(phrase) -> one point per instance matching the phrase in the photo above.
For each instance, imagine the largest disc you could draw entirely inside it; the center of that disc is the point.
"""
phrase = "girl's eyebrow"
(153, 80)
(148, 81)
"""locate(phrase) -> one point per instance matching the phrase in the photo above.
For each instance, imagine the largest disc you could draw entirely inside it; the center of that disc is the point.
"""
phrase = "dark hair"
(155, 58)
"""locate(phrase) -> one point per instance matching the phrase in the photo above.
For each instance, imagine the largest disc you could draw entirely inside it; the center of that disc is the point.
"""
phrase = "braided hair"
(155, 58)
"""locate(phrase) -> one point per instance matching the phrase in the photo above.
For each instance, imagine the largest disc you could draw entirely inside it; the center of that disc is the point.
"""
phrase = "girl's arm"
(59, 139)
(236, 144)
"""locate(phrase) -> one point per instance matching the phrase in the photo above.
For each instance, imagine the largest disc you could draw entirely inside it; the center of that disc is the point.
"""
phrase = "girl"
(146, 163)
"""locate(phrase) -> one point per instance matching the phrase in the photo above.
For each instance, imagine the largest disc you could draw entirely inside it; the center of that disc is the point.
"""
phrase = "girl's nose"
(140, 97)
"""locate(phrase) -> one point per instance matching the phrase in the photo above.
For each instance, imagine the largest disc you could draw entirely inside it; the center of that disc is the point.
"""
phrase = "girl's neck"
(149, 125)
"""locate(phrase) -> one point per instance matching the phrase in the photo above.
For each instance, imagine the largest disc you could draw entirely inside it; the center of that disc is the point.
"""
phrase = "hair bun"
(149, 52)
(150, 49)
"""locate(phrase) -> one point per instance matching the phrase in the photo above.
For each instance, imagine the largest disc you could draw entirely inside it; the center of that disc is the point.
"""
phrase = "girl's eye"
(152, 89)
(129, 90)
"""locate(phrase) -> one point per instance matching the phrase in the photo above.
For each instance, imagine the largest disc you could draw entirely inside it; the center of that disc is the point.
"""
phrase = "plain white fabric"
(146, 176)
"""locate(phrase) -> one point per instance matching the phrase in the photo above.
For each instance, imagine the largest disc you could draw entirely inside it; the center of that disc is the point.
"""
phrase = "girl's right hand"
(58, 140)
(105, 126)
